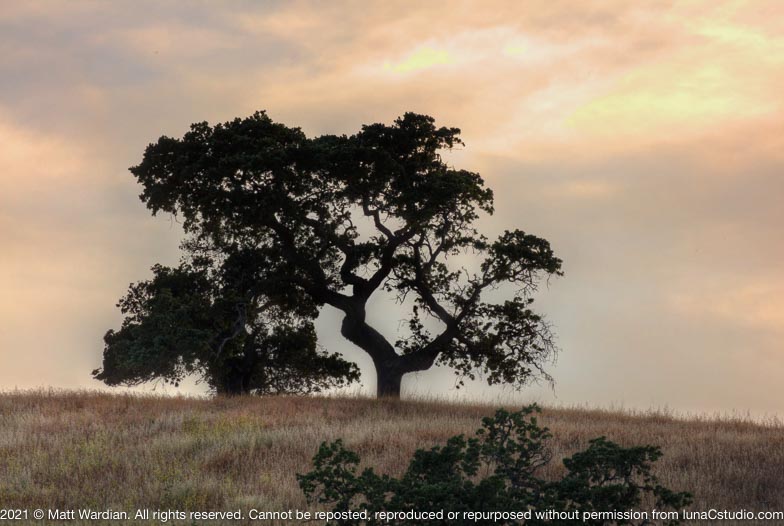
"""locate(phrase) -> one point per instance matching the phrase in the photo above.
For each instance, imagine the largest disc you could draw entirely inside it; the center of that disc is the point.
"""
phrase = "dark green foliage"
(495, 471)
(211, 320)
(335, 219)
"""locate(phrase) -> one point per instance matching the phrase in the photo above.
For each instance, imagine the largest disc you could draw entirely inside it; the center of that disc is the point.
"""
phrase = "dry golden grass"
(84, 449)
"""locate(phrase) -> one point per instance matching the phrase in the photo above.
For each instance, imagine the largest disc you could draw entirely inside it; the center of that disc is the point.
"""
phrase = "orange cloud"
(423, 58)
(28, 157)
(610, 127)
(754, 302)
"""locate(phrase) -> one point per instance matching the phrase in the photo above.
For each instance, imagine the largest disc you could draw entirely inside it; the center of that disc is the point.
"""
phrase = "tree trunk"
(388, 382)
(389, 372)
(232, 386)
(235, 378)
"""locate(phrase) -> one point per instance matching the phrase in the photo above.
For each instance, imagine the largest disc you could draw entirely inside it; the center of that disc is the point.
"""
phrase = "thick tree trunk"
(389, 372)
(388, 382)
(232, 385)
(390, 366)
(236, 376)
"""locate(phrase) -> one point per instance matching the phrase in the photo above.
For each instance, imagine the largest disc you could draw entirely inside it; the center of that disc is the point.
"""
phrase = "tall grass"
(84, 449)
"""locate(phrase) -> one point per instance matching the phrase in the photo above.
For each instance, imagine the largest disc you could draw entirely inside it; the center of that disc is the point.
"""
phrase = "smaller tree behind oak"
(337, 219)
(220, 320)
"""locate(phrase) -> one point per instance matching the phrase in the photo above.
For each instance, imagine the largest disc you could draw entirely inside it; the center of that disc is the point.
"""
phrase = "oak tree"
(336, 220)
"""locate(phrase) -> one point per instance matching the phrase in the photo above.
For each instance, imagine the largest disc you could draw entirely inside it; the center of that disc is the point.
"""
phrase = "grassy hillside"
(79, 450)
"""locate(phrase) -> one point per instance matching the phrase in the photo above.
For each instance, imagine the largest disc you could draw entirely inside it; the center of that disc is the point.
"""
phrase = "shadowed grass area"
(85, 449)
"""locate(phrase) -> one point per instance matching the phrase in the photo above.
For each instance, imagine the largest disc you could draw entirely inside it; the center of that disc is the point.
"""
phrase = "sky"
(645, 141)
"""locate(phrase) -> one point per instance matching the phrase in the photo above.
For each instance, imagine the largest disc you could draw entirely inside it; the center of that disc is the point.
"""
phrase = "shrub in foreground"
(496, 471)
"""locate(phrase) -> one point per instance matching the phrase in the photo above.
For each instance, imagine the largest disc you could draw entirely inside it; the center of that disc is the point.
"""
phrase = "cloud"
(756, 302)
(171, 42)
(423, 58)
(644, 141)
(68, 245)
(30, 158)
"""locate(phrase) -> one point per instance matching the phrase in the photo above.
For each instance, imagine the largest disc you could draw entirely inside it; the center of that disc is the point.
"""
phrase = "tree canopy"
(334, 220)
(214, 322)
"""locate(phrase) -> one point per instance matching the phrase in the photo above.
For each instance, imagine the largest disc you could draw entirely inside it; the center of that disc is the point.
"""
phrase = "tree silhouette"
(334, 220)
(213, 320)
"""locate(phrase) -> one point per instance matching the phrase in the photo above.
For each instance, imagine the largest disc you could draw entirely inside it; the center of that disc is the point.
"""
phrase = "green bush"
(496, 471)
